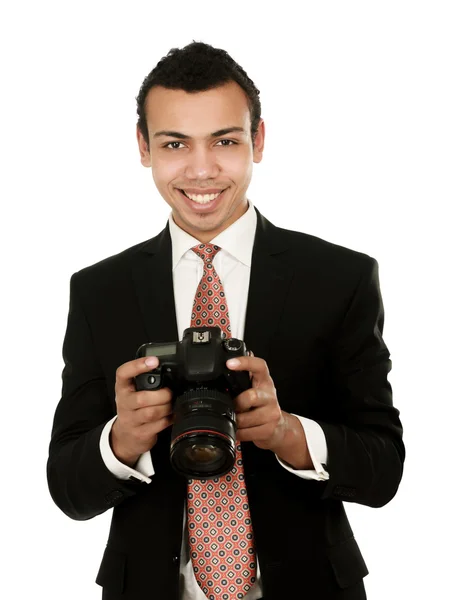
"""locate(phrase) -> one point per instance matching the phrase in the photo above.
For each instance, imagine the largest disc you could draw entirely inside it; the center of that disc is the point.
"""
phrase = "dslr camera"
(204, 425)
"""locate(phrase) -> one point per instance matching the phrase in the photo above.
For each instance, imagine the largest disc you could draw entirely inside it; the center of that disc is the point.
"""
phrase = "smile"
(201, 202)
(200, 198)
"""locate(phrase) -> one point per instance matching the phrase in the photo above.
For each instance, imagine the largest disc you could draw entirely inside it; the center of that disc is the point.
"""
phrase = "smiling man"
(202, 172)
(316, 428)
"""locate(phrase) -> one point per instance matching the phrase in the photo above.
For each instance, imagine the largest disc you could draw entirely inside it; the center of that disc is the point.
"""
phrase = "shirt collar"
(237, 239)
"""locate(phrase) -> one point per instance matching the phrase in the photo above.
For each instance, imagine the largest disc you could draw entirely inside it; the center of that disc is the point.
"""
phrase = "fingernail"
(151, 361)
(233, 362)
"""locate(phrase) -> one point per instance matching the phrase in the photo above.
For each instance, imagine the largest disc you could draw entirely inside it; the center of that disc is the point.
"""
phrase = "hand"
(141, 414)
(259, 417)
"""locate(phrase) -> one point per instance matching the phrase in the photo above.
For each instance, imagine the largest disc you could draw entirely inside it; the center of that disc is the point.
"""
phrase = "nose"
(201, 164)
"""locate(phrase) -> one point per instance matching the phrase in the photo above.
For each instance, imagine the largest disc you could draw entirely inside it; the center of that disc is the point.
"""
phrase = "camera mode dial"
(233, 344)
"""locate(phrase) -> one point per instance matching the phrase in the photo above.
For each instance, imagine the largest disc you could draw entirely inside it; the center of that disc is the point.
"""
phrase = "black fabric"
(315, 314)
(347, 563)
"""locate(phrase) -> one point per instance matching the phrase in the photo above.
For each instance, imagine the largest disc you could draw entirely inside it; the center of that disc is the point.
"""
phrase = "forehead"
(197, 113)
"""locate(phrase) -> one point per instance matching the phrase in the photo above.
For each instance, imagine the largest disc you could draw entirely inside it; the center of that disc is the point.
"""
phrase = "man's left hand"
(259, 417)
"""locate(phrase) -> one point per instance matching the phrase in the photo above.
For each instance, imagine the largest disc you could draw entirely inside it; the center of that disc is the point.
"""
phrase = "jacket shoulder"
(328, 254)
(115, 265)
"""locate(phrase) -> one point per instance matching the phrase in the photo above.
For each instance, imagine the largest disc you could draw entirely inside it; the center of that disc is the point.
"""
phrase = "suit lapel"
(269, 283)
(152, 275)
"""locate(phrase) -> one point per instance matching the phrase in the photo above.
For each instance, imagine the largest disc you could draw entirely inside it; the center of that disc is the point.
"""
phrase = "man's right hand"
(141, 415)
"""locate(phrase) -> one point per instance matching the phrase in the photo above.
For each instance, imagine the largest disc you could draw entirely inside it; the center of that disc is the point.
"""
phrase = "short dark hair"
(194, 68)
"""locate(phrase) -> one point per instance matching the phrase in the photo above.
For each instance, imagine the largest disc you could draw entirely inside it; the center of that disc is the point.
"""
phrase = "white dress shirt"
(233, 265)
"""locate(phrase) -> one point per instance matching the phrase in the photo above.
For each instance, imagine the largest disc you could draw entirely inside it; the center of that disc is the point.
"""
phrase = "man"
(316, 428)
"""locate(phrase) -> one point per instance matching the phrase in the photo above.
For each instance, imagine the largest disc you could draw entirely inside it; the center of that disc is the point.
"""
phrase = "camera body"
(204, 425)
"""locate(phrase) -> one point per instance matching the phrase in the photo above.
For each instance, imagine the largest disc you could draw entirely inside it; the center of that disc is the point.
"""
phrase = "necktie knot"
(206, 251)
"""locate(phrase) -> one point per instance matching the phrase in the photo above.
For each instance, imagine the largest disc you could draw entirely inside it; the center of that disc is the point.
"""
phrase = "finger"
(255, 434)
(132, 402)
(257, 366)
(150, 414)
(146, 431)
(127, 371)
(252, 418)
(145, 398)
(251, 374)
(251, 399)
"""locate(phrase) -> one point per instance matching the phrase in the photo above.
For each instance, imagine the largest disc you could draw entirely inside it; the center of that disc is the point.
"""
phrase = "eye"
(232, 143)
(166, 145)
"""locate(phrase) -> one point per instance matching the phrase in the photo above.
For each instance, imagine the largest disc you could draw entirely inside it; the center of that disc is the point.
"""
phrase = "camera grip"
(238, 381)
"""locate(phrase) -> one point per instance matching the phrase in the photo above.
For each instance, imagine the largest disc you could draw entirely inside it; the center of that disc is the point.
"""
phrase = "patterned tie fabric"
(219, 522)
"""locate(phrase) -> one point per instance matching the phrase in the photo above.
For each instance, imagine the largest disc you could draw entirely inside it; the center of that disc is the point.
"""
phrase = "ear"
(145, 158)
(259, 143)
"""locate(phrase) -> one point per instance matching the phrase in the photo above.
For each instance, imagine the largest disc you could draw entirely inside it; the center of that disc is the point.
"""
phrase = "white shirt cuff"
(143, 468)
(317, 447)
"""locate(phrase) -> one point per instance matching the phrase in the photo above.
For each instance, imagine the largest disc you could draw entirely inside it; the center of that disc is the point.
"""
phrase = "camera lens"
(202, 453)
(203, 434)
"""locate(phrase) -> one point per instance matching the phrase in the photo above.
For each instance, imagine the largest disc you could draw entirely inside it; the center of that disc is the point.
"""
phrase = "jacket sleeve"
(365, 448)
(79, 482)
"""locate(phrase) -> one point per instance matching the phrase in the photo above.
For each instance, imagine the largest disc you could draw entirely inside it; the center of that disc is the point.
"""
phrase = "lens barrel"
(203, 434)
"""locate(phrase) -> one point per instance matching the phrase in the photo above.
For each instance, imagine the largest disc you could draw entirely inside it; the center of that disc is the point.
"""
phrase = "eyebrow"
(182, 136)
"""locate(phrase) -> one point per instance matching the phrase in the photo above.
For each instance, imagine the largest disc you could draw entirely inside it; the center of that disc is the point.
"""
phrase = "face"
(196, 155)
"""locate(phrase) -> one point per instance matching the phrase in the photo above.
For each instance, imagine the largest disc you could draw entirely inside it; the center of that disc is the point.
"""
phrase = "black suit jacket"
(315, 314)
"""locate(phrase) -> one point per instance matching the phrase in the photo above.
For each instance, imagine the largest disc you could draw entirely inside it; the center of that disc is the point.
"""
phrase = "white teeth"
(202, 199)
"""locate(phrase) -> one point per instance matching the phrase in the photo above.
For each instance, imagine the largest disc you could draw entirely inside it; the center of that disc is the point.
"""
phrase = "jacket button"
(175, 559)
(112, 497)
(344, 492)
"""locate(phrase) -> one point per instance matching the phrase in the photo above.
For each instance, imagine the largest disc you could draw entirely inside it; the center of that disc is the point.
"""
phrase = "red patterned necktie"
(219, 522)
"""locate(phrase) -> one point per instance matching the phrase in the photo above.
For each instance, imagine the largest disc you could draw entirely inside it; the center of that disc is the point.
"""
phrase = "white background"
(363, 107)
